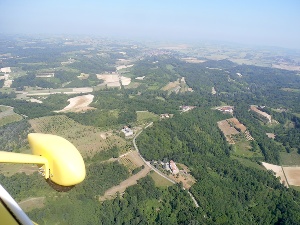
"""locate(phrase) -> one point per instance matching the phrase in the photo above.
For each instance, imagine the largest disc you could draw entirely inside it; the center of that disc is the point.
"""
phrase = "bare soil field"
(279, 172)
(113, 80)
(171, 85)
(87, 139)
(227, 130)
(293, 175)
(79, 104)
(237, 124)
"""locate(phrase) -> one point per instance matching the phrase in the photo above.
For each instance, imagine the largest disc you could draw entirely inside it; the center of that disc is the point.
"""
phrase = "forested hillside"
(184, 101)
(227, 191)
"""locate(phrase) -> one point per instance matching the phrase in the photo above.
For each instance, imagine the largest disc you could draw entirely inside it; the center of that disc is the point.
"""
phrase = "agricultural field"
(131, 161)
(112, 192)
(32, 203)
(289, 159)
(79, 104)
(171, 86)
(145, 116)
(114, 80)
(7, 115)
(10, 119)
(278, 171)
(9, 169)
(292, 175)
(177, 86)
(234, 131)
(159, 180)
(227, 130)
(87, 139)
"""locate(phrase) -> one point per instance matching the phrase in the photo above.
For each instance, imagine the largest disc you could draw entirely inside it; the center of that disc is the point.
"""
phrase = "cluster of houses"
(186, 108)
(166, 116)
(167, 165)
(226, 109)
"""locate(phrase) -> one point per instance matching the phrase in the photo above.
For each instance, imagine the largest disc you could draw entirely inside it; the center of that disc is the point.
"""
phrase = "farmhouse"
(226, 109)
(127, 131)
(173, 167)
(186, 108)
(166, 116)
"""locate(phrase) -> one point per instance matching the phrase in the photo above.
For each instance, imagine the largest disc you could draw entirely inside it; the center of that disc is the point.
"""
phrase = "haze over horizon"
(269, 23)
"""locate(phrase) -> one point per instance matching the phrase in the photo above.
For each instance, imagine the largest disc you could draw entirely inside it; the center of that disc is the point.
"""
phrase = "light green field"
(159, 180)
(10, 119)
(3, 108)
(289, 159)
(87, 139)
(247, 162)
(242, 148)
(146, 116)
(291, 90)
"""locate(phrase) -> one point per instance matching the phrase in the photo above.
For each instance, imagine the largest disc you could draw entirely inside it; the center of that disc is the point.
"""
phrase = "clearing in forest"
(114, 80)
(159, 180)
(177, 86)
(7, 115)
(227, 130)
(87, 139)
(172, 85)
(131, 160)
(146, 116)
(231, 128)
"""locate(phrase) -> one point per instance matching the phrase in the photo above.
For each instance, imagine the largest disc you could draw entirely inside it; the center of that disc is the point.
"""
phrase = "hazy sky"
(262, 22)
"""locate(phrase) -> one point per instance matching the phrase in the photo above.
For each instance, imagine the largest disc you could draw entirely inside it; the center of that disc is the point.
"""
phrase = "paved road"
(156, 170)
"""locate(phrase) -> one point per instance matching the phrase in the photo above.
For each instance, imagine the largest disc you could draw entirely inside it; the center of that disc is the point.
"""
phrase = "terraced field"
(87, 139)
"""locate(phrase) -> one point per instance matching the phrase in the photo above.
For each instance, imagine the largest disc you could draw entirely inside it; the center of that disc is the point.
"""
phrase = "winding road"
(156, 170)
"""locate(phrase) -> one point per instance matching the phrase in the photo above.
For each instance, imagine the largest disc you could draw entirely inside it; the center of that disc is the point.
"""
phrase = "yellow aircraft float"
(59, 163)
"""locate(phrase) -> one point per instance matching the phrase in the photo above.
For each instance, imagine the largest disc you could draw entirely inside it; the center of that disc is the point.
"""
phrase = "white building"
(127, 131)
